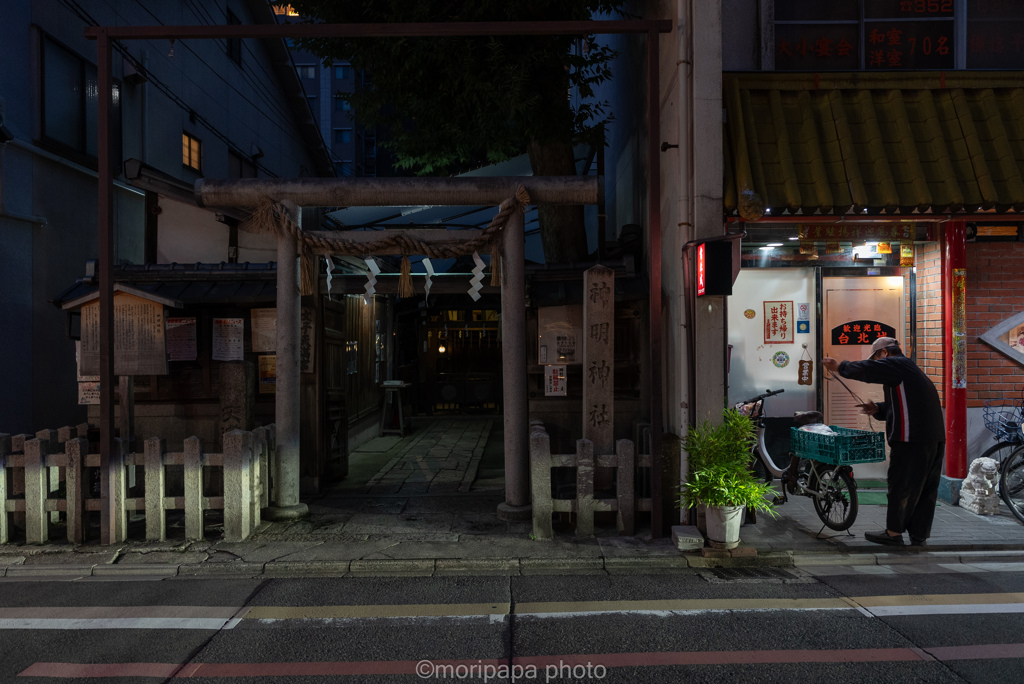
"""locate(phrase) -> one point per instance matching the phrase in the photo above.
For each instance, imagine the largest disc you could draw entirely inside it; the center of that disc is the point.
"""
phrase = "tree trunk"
(562, 232)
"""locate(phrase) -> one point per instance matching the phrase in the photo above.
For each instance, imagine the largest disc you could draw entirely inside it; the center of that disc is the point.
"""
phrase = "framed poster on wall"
(778, 322)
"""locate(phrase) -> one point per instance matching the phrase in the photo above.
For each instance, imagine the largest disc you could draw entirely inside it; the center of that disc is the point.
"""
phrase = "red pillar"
(954, 283)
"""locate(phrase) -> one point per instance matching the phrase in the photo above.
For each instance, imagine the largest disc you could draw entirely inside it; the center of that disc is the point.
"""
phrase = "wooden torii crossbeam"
(281, 197)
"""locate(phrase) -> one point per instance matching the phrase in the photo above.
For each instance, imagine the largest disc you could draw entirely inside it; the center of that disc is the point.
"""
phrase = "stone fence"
(582, 500)
(47, 479)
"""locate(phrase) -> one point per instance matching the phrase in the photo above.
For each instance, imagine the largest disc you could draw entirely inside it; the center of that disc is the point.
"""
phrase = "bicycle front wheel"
(1011, 483)
(835, 502)
(1000, 451)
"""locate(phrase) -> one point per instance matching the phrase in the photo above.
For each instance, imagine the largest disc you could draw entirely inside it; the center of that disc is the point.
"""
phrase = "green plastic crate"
(845, 447)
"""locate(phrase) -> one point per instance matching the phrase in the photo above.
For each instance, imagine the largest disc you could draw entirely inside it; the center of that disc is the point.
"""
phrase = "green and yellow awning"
(892, 143)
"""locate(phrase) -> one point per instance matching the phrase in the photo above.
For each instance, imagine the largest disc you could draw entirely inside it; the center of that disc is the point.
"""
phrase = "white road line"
(962, 609)
(115, 623)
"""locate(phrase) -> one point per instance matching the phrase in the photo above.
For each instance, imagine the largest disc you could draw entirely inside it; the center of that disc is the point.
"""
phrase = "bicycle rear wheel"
(836, 500)
(1000, 451)
(1011, 483)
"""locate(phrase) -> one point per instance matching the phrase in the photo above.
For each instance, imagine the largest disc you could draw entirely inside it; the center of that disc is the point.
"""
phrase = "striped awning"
(904, 143)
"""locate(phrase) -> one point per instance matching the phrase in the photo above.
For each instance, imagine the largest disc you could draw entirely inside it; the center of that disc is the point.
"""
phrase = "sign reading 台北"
(860, 332)
(778, 322)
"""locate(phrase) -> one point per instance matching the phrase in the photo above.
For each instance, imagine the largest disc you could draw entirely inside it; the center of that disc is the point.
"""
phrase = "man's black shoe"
(884, 537)
(917, 542)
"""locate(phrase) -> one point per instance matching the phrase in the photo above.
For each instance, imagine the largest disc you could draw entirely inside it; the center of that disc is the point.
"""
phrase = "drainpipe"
(684, 74)
(954, 281)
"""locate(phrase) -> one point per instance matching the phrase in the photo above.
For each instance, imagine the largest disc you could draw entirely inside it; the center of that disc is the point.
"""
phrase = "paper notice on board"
(138, 342)
(181, 339)
(88, 392)
(264, 330)
(268, 374)
(228, 336)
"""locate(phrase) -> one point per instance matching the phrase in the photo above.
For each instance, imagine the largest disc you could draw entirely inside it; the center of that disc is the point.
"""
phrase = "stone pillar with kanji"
(599, 358)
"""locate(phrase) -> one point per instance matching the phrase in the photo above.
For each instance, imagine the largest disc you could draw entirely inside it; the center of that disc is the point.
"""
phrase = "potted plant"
(720, 478)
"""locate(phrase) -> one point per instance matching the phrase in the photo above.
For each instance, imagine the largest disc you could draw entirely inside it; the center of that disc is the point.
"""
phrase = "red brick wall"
(995, 291)
(930, 329)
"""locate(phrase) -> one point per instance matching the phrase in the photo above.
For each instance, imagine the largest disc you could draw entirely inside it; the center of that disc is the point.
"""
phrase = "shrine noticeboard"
(778, 323)
(139, 345)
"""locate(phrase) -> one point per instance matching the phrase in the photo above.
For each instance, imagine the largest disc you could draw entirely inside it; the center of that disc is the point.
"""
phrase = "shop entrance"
(856, 311)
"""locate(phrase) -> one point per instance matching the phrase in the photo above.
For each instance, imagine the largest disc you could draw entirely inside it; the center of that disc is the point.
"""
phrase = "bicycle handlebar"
(767, 393)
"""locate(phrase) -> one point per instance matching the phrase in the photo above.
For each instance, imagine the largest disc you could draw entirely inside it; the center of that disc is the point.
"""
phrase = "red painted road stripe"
(849, 655)
(608, 660)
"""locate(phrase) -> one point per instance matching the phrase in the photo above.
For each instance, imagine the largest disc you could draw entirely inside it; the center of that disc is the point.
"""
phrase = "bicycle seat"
(807, 418)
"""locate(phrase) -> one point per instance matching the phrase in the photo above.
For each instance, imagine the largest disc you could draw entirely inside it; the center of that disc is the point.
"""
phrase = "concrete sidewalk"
(408, 508)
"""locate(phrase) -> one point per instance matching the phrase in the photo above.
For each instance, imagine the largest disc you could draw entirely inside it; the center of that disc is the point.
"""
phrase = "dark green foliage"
(458, 102)
(720, 472)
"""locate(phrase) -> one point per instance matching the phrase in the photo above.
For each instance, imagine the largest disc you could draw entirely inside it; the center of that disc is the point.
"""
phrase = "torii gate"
(505, 232)
(106, 35)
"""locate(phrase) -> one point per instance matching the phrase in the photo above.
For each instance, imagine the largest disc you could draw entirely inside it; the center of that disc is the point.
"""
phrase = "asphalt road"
(946, 626)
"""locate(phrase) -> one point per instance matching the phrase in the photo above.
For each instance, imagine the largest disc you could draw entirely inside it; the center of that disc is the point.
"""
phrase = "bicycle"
(819, 464)
(1011, 478)
(1003, 422)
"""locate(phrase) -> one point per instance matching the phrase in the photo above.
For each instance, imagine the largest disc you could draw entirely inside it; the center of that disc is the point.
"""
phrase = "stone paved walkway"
(444, 457)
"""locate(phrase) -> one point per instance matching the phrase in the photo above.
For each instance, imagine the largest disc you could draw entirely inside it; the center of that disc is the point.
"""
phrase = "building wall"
(931, 335)
(48, 194)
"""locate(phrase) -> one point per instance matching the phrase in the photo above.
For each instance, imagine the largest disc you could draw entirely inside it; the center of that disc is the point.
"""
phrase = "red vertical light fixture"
(954, 285)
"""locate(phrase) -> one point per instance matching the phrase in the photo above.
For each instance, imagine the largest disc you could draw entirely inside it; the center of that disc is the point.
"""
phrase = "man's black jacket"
(912, 410)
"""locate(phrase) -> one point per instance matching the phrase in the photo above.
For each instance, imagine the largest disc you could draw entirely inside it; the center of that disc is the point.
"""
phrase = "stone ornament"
(979, 492)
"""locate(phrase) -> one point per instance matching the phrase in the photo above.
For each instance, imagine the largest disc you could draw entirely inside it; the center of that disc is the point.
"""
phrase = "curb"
(446, 567)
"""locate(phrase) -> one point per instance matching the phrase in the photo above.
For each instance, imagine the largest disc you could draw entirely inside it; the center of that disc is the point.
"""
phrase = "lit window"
(342, 72)
(342, 135)
(191, 151)
(285, 11)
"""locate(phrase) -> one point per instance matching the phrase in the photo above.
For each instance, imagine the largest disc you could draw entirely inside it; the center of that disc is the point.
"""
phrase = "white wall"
(752, 370)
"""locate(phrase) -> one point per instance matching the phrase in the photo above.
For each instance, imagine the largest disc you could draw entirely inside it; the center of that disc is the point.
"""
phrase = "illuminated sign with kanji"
(701, 274)
(860, 333)
(778, 323)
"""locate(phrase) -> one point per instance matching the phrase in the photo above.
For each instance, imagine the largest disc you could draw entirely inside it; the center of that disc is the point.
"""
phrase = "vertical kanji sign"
(778, 322)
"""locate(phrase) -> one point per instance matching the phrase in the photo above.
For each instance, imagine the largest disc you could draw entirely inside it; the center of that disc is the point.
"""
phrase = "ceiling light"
(767, 249)
(794, 238)
(774, 244)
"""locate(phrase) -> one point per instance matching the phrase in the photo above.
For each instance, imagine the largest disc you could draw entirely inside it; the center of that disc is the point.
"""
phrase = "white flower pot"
(724, 526)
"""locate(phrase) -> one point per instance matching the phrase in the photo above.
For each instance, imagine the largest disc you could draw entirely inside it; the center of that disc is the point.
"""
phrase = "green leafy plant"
(720, 472)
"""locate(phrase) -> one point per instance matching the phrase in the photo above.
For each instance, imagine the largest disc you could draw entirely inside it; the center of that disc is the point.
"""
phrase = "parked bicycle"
(1004, 422)
(1011, 477)
(819, 464)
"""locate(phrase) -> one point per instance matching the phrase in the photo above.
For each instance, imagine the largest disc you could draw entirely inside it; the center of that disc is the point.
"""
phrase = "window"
(342, 105)
(240, 167)
(70, 96)
(344, 168)
(312, 104)
(342, 135)
(342, 72)
(234, 46)
(285, 11)
(891, 35)
(306, 71)
(191, 152)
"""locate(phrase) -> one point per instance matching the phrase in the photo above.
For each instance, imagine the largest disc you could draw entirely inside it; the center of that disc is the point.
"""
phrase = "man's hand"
(868, 409)
(831, 364)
